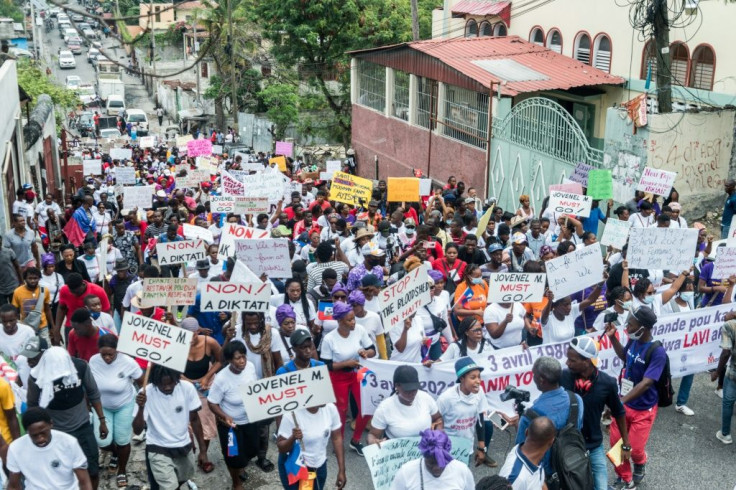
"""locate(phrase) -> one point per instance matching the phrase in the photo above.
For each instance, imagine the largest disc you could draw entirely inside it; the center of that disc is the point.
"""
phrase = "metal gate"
(536, 145)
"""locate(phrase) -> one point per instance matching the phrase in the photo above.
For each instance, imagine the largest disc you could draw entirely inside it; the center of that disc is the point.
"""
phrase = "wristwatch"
(625, 448)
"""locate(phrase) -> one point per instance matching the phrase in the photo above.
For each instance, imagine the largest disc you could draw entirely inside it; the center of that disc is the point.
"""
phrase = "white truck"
(110, 86)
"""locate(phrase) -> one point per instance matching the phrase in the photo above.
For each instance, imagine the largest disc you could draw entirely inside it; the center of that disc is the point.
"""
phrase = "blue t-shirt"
(637, 369)
(588, 315)
(706, 274)
(290, 367)
(591, 222)
(729, 209)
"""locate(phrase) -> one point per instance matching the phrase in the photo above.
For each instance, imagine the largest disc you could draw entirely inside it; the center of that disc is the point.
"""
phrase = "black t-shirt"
(614, 276)
(478, 257)
(604, 392)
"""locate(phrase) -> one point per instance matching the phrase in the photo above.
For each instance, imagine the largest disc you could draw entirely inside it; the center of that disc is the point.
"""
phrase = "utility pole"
(196, 54)
(414, 20)
(234, 94)
(153, 41)
(661, 31)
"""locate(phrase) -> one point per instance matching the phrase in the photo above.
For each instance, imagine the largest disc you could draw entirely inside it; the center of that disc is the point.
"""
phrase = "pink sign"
(285, 148)
(572, 187)
(200, 147)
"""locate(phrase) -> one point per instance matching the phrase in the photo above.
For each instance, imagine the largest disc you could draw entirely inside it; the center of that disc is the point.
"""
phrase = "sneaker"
(640, 470)
(357, 447)
(489, 461)
(619, 484)
(140, 437)
(724, 439)
(684, 409)
(719, 392)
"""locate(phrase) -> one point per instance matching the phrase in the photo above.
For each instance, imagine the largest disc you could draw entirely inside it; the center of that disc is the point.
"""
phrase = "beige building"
(159, 16)
(599, 33)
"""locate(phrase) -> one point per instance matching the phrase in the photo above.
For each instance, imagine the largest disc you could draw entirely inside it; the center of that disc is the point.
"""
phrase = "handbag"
(437, 323)
(33, 318)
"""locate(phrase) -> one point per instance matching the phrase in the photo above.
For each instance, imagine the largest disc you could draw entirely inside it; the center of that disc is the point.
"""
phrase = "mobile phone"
(610, 317)
(498, 421)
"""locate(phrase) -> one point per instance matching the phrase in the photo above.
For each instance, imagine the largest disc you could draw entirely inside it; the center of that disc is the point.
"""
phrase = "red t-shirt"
(83, 347)
(73, 303)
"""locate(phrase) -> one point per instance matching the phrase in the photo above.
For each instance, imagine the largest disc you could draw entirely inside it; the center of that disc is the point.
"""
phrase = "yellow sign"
(280, 161)
(403, 189)
(483, 223)
(350, 189)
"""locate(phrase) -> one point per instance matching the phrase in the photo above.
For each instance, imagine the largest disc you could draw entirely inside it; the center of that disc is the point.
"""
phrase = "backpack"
(568, 456)
(665, 392)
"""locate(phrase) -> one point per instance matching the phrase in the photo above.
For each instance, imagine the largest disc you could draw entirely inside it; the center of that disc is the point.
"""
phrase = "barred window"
(401, 95)
(466, 116)
(426, 102)
(372, 80)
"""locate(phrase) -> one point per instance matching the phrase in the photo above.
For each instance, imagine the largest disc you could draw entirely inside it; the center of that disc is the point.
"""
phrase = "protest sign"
(235, 296)
(121, 153)
(183, 140)
(669, 249)
(516, 287)
(571, 187)
(231, 232)
(484, 220)
(279, 395)
(244, 274)
(280, 163)
(332, 166)
(616, 233)
(655, 181)
(403, 189)
(200, 147)
(193, 178)
(170, 253)
(731, 238)
(154, 341)
(568, 203)
(239, 204)
(385, 461)
(350, 189)
(325, 175)
(580, 174)
(125, 175)
(265, 184)
(600, 184)
(194, 232)
(140, 197)
(147, 141)
(206, 162)
(725, 265)
(575, 271)
(168, 291)
(230, 185)
(404, 297)
(92, 167)
(425, 187)
(285, 148)
(217, 149)
(268, 256)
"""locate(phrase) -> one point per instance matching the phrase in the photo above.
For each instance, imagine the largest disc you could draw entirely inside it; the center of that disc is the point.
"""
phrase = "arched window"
(537, 36)
(703, 68)
(554, 41)
(679, 63)
(582, 48)
(499, 30)
(471, 28)
(649, 57)
(486, 29)
(602, 53)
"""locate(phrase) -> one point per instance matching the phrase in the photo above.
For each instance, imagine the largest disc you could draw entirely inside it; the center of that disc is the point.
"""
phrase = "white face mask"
(687, 296)
(637, 335)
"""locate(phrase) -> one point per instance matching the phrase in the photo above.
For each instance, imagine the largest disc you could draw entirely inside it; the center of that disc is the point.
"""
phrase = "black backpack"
(568, 456)
(665, 392)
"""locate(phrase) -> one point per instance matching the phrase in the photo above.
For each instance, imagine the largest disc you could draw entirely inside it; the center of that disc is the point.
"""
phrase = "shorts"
(86, 438)
(168, 473)
(119, 424)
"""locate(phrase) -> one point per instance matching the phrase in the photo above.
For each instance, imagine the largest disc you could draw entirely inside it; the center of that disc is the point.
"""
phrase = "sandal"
(122, 480)
(208, 467)
(113, 464)
(265, 465)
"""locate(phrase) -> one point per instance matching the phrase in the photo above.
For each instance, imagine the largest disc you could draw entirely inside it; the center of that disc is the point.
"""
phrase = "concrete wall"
(11, 137)
(400, 148)
(34, 157)
(166, 17)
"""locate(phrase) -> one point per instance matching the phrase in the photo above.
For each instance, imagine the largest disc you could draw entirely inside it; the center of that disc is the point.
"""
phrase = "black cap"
(407, 377)
(645, 316)
(203, 264)
(299, 337)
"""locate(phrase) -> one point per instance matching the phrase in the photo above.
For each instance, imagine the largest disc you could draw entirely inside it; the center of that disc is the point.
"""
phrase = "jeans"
(488, 426)
(319, 483)
(729, 398)
(683, 392)
(598, 463)
(639, 423)
(724, 231)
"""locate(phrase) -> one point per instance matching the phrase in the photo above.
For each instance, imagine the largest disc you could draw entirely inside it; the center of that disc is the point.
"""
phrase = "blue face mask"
(648, 300)
(95, 314)
(687, 296)
(626, 305)
(476, 280)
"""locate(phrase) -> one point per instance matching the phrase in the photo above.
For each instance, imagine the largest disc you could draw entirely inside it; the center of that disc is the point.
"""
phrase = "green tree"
(35, 83)
(282, 103)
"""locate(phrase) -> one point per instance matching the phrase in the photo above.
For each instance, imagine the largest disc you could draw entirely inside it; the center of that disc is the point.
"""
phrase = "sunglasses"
(339, 296)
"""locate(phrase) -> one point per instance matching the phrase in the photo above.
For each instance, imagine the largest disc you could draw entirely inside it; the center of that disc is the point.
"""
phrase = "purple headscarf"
(436, 443)
(356, 298)
(436, 276)
(337, 288)
(340, 309)
(283, 312)
(545, 249)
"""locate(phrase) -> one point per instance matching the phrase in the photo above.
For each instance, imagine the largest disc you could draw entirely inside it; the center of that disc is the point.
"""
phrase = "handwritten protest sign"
(268, 256)
(731, 238)
(571, 187)
(235, 296)
(170, 253)
(265, 184)
(516, 287)
(92, 167)
(616, 233)
(350, 189)
(670, 249)
(140, 197)
(207, 162)
(278, 395)
(332, 166)
(285, 148)
(121, 153)
(725, 265)
(232, 232)
(404, 297)
(385, 462)
(193, 178)
(575, 271)
(580, 174)
(169, 291)
(200, 147)
(183, 140)
(425, 187)
(568, 203)
(600, 184)
(230, 185)
(655, 181)
(125, 175)
(154, 341)
(195, 232)
(403, 189)
(147, 141)
(280, 162)
(217, 149)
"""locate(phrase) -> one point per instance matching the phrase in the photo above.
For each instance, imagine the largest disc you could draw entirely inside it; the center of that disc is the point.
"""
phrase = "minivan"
(139, 118)
(114, 104)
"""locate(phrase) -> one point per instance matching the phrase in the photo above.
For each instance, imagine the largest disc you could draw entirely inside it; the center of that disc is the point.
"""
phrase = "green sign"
(600, 184)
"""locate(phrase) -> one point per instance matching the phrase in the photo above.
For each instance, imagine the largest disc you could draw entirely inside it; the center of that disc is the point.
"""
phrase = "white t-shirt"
(24, 209)
(225, 392)
(11, 345)
(286, 356)
(53, 283)
(655, 305)
(42, 210)
(337, 348)
(414, 338)
(301, 318)
(598, 323)
(47, 467)
(460, 411)
(316, 431)
(130, 293)
(200, 280)
(252, 357)
(495, 313)
(456, 476)
(92, 265)
(372, 324)
(399, 420)
(115, 380)
(522, 473)
(561, 330)
(453, 352)
(105, 321)
(373, 305)
(167, 416)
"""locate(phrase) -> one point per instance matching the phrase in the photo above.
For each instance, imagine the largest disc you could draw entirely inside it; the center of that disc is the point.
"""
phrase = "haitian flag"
(324, 310)
(294, 465)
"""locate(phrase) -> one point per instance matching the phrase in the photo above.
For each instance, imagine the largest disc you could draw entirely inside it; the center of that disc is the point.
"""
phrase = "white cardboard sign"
(154, 341)
(121, 153)
(235, 296)
(671, 249)
(232, 232)
(404, 297)
(140, 197)
(194, 232)
(731, 239)
(169, 291)
(575, 271)
(125, 175)
(514, 287)
(616, 233)
(725, 265)
(570, 203)
(170, 253)
(655, 181)
(92, 167)
(268, 256)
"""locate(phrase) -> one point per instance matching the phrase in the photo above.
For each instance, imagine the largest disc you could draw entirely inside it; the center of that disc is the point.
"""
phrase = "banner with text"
(569, 203)
(235, 296)
(170, 253)
(670, 249)
(575, 271)
(268, 256)
(725, 265)
(154, 341)
(403, 298)
(232, 232)
(168, 291)
(657, 182)
(200, 147)
(515, 287)
(403, 189)
(350, 189)
(230, 185)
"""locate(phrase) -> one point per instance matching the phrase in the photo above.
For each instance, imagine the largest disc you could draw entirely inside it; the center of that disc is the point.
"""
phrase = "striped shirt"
(315, 270)
(522, 473)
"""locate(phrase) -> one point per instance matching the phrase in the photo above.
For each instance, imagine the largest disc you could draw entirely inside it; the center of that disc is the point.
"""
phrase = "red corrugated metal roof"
(475, 7)
(561, 72)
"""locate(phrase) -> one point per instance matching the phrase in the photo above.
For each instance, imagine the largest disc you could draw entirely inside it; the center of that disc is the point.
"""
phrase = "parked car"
(89, 34)
(92, 54)
(87, 93)
(73, 40)
(75, 48)
(84, 123)
(114, 104)
(139, 118)
(63, 26)
(66, 59)
(77, 17)
(72, 82)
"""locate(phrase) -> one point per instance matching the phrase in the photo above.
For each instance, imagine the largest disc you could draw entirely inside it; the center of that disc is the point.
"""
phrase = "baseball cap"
(407, 377)
(203, 264)
(494, 247)
(372, 248)
(469, 200)
(465, 365)
(586, 347)
(299, 337)
(518, 238)
(645, 316)
(34, 347)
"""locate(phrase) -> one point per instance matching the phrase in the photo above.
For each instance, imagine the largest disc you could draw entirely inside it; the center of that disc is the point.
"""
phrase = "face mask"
(410, 231)
(687, 296)
(648, 300)
(89, 256)
(637, 335)
(95, 314)
(476, 280)
(626, 305)
(448, 222)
